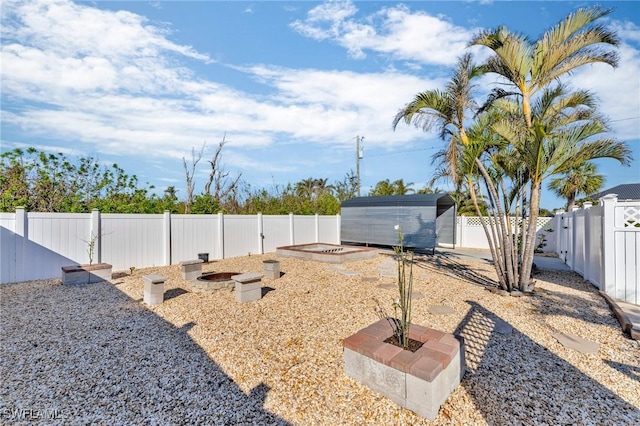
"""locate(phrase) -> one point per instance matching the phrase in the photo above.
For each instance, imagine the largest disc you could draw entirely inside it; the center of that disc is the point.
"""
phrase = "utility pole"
(358, 158)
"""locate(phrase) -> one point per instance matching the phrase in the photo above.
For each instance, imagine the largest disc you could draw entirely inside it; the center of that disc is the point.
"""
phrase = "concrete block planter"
(85, 274)
(420, 381)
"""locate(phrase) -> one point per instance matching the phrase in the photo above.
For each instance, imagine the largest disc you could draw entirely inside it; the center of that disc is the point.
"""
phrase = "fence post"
(167, 237)
(260, 235)
(608, 244)
(317, 226)
(339, 225)
(22, 231)
(557, 226)
(291, 238)
(221, 234)
(95, 236)
(586, 273)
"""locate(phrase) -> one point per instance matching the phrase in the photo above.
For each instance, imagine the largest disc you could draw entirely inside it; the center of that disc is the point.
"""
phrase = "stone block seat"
(420, 381)
(248, 287)
(153, 289)
(191, 269)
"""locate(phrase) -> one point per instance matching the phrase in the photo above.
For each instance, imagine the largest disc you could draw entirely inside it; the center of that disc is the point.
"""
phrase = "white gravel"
(96, 354)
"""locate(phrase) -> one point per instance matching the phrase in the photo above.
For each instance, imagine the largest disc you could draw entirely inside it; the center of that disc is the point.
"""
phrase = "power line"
(434, 147)
(625, 119)
(402, 152)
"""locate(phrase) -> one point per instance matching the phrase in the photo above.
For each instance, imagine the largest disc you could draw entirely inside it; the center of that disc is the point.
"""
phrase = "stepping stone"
(417, 295)
(440, 310)
(388, 273)
(349, 273)
(337, 267)
(388, 285)
(388, 264)
(577, 343)
(502, 327)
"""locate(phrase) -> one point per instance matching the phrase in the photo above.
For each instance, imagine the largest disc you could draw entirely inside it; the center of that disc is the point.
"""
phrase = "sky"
(289, 85)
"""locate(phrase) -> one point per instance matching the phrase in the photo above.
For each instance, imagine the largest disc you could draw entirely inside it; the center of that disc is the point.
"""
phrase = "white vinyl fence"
(602, 243)
(36, 245)
(470, 233)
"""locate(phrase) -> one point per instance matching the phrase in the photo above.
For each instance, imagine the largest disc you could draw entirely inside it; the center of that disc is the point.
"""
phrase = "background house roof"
(627, 191)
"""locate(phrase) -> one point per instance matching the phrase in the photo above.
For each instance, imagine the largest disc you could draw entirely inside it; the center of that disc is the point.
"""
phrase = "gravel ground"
(96, 354)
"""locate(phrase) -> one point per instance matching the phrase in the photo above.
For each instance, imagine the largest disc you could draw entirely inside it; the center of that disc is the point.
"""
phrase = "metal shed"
(426, 220)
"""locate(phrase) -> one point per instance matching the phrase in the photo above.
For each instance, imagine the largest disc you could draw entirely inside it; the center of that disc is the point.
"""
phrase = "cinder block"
(248, 296)
(353, 364)
(191, 269)
(84, 274)
(153, 289)
(153, 298)
(75, 277)
(248, 286)
(425, 398)
(271, 269)
(378, 377)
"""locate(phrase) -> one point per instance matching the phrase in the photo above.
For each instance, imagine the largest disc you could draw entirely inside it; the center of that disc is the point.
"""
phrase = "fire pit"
(214, 281)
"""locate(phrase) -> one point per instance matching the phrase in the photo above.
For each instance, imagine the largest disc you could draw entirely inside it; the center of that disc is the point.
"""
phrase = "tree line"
(54, 182)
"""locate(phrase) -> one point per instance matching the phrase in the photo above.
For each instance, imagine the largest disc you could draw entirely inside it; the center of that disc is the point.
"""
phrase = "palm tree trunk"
(506, 245)
(526, 284)
(571, 200)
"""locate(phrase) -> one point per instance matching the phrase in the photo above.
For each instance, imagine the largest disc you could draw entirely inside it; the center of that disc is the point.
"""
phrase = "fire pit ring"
(214, 281)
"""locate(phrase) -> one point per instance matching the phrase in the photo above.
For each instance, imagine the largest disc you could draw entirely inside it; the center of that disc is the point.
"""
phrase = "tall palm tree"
(566, 133)
(322, 187)
(530, 68)
(582, 179)
(446, 111)
(305, 188)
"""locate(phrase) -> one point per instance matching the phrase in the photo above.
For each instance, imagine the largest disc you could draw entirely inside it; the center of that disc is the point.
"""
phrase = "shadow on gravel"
(632, 371)
(568, 279)
(174, 292)
(510, 373)
(588, 302)
(448, 263)
(111, 362)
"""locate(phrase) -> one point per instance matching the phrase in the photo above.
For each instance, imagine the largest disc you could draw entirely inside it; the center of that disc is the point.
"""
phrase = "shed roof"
(401, 200)
(627, 191)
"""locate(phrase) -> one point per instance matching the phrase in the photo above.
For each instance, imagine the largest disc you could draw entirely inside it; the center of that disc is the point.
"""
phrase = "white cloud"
(618, 90)
(394, 31)
(98, 93)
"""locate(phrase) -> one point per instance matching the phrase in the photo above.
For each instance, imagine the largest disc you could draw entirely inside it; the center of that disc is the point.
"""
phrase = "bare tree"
(219, 177)
(190, 175)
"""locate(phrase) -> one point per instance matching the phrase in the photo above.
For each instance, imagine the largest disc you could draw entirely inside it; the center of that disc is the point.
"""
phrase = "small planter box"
(85, 274)
(420, 381)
